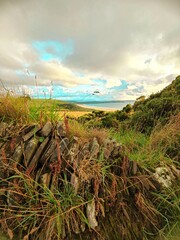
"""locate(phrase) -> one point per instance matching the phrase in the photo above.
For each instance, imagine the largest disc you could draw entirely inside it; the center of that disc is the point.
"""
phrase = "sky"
(89, 50)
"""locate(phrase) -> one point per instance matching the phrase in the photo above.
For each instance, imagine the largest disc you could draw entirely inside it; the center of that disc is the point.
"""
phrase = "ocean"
(112, 105)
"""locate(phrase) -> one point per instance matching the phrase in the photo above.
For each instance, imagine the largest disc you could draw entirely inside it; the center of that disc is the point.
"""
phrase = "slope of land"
(105, 176)
(145, 113)
(148, 124)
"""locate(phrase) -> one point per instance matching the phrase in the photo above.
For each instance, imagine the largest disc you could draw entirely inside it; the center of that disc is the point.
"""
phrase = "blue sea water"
(114, 105)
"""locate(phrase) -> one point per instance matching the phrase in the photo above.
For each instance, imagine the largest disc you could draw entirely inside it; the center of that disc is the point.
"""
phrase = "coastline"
(109, 106)
(97, 108)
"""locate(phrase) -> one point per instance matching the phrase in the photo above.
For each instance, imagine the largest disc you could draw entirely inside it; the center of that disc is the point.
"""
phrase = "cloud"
(73, 43)
(58, 73)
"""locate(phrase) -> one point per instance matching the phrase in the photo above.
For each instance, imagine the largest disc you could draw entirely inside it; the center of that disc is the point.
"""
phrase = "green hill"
(144, 115)
(149, 129)
(158, 108)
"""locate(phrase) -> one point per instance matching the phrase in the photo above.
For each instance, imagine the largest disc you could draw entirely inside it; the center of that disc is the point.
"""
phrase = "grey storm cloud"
(107, 35)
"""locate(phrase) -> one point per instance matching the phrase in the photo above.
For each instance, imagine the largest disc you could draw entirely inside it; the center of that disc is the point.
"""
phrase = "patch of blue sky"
(61, 93)
(122, 86)
(56, 92)
(80, 95)
(82, 98)
(54, 50)
(84, 88)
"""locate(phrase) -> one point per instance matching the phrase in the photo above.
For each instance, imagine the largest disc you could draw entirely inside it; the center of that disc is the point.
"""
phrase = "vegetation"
(147, 132)
(157, 117)
(26, 110)
(47, 203)
(150, 132)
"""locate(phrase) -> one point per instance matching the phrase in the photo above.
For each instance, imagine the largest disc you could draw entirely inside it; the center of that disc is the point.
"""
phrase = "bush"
(160, 107)
(143, 121)
(93, 123)
(121, 116)
(109, 121)
(127, 108)
(98, 113)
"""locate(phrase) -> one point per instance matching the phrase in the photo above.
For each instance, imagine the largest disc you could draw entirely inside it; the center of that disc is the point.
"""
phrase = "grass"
(85, 134)
(161, 147)
(167, 138)
(36, 209)
(14, 109)
(42, 211)
(169, 206)
(75, 114)
(131, 139)
(25, 110)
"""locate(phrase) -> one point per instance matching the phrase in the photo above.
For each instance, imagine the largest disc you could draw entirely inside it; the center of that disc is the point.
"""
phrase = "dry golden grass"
(165, 141)
(14, 109)
(87, 170)
(73, 114)
(82, 132)
(22, 109)
(100, 134)
(166, 135)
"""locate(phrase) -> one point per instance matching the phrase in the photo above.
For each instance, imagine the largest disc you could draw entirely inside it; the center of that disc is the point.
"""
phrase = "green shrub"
(127, 108)
(143, 121)
(98, 113)
(121, 116)
(109, 121)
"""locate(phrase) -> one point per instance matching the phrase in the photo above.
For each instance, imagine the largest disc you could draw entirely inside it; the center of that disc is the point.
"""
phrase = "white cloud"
(137, 41)
(58, 73)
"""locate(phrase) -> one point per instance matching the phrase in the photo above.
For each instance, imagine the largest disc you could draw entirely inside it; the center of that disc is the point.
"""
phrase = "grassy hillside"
(158, 108)
(144, 115)
(26, 110)
(151, 126)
